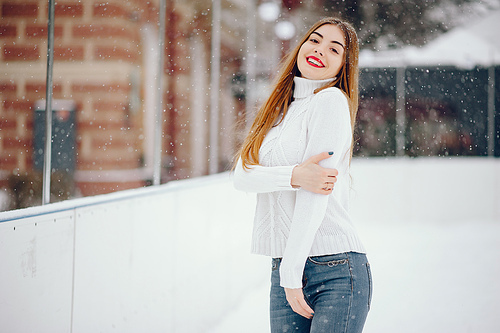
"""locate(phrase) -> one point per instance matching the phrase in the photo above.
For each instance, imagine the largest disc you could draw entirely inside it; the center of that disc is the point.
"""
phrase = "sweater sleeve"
(328, 129)
(260, 179)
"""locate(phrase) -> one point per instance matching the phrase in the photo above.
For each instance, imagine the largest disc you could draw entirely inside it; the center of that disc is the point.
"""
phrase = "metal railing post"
(159, 87)
(400, 111)
(214, 87)
(250, 57)
(491, 111)
(48, 107)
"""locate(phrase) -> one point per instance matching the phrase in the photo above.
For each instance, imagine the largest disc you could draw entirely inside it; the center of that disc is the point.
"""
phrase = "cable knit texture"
(294, 224)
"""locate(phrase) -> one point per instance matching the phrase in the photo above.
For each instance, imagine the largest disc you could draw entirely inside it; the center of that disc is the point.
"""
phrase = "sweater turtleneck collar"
(305, 87)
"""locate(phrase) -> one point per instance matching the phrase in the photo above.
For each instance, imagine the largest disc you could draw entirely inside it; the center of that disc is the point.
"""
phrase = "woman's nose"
(319, 51)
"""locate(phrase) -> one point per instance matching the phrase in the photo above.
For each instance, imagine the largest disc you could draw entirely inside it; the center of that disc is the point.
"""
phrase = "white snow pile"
(474, 44)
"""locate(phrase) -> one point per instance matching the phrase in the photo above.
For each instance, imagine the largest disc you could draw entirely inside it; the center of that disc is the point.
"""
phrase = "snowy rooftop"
(465, 47)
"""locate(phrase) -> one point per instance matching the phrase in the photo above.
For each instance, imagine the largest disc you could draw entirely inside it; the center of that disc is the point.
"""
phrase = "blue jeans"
(337, 287)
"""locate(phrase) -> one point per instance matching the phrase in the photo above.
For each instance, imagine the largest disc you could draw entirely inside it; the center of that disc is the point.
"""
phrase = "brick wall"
(99, 63)
(97, 47)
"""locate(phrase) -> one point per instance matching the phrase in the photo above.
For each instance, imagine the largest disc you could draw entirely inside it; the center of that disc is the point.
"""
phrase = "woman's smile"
(313, 61)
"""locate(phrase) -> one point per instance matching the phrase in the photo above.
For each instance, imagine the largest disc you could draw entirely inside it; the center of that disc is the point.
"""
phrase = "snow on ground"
(427, 278)
(434, 278)
(431, 228)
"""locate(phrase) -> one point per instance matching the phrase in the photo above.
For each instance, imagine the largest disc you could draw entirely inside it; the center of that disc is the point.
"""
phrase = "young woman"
(297, 157)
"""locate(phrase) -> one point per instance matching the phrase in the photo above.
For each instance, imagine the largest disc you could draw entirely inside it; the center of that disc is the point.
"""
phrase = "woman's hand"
(295, 298)
(314, 178)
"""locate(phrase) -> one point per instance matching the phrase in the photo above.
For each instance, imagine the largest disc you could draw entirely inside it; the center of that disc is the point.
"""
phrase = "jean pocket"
(370, 284)
(330, 260)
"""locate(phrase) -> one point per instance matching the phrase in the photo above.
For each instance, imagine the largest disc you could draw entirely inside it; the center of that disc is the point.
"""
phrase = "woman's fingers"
(325, 176)
(312, 177)
(304, 309)
(295, 298)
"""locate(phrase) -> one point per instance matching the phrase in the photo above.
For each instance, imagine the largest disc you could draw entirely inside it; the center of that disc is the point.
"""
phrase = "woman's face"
(322, 55)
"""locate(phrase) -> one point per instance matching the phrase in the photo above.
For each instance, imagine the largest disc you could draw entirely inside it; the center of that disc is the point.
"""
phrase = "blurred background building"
(105, 74)
(105, 65)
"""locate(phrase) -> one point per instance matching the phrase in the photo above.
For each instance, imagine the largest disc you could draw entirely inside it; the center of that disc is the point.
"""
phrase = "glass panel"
(106, 65)
(447, 112)
(496, 103)
(376, 128)
(102, 98)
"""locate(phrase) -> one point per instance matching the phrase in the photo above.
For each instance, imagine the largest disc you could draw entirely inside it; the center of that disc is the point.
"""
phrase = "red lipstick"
(315, 62)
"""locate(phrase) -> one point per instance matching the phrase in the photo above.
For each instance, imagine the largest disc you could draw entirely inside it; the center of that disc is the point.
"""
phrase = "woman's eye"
(313, 40)
(334, 50)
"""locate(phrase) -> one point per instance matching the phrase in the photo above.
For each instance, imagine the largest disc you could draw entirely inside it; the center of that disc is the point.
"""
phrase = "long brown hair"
(277, 103)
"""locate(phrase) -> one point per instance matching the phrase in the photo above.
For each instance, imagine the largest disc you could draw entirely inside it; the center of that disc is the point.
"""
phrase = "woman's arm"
(307, 175)
(262, 179)
(329, 129)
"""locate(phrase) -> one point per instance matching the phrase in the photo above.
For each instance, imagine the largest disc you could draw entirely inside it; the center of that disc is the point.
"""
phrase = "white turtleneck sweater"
(294, 224)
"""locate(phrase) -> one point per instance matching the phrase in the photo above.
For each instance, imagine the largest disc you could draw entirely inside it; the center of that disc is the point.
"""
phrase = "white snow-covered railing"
(170, 258)
(175, 257)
